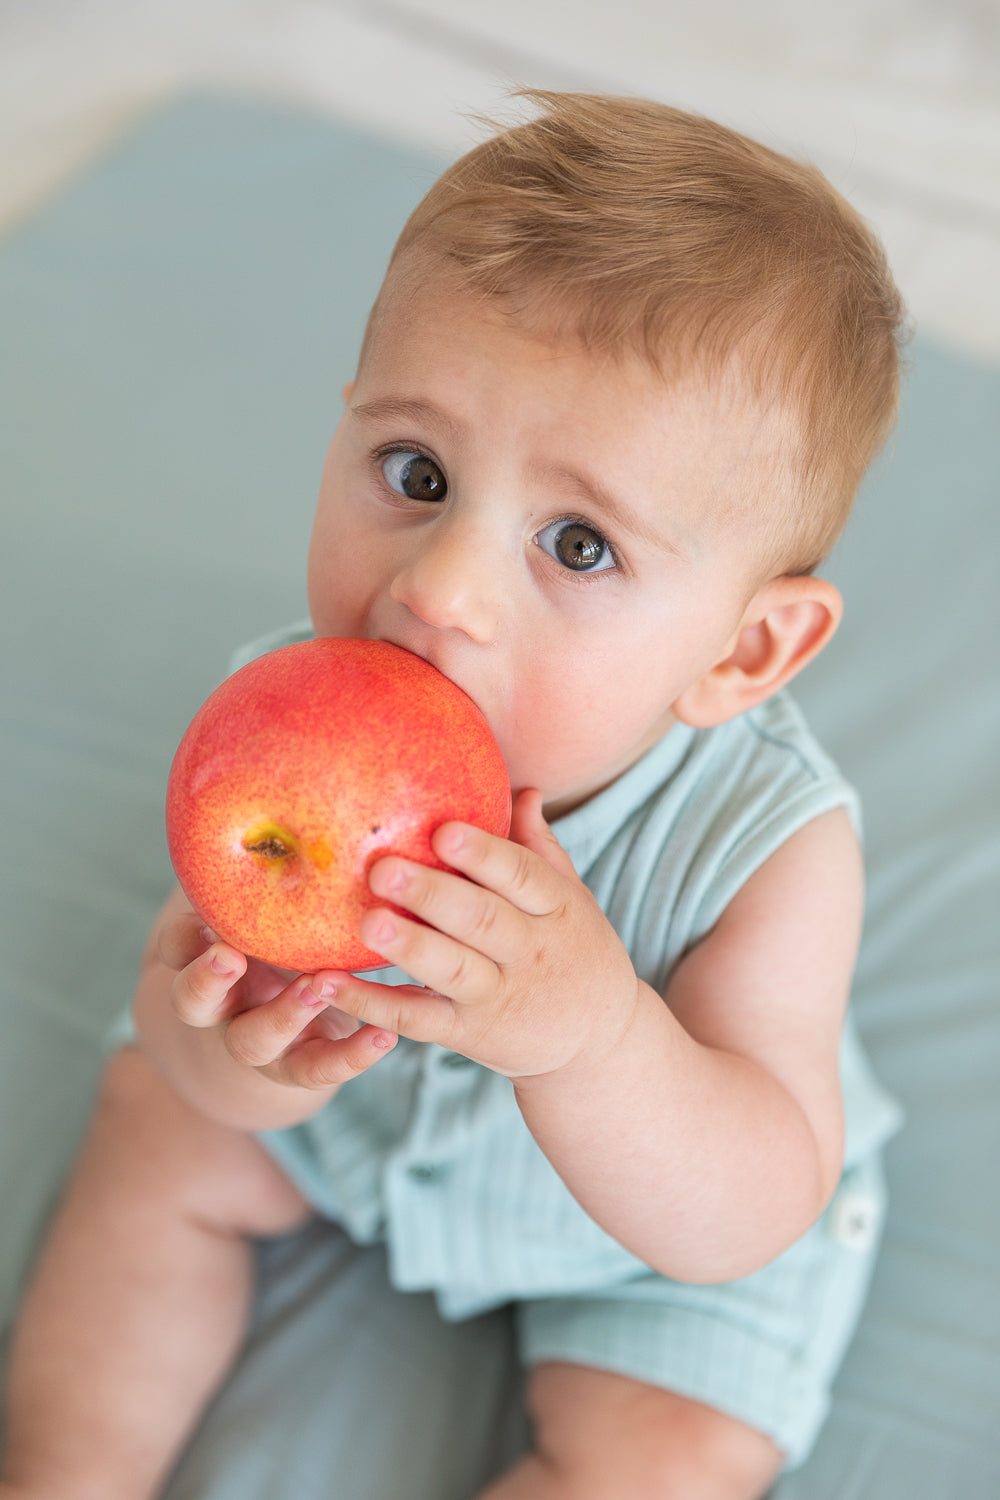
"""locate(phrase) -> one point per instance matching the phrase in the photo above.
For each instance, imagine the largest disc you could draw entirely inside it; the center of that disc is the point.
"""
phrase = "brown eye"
(577, 546)
(414, 475)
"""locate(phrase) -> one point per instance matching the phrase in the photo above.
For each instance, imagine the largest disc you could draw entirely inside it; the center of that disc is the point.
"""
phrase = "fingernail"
(383, 1040)
(455, 840)
(391, 880)
(208, 935)
(221, 967)
(308, 996)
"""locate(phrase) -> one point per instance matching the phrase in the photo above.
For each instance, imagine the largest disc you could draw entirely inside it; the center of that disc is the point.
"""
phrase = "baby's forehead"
(721, 377)
(754, 436)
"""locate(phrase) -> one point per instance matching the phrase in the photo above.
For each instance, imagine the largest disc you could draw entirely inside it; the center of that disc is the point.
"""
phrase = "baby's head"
(633, 365)
(634, 227)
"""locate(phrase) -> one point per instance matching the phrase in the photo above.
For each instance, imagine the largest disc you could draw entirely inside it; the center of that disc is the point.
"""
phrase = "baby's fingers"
(180, 933)
(259, 1036)
(320, 1063)
(201, 991)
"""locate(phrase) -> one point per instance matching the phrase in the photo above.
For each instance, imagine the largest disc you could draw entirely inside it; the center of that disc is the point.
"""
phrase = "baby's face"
(554, 532)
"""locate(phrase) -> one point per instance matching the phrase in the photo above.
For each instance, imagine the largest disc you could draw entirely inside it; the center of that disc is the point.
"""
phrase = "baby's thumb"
(529, 829)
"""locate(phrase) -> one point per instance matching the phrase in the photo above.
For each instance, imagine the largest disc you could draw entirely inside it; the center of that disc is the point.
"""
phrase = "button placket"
(426, 1173)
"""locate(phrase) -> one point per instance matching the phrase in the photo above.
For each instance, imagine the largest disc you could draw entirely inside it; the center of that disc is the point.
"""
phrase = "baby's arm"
(701, 1129)
(247, 1045)
(711, 1136)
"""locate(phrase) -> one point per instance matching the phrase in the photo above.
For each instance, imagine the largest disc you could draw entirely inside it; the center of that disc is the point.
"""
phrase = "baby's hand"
(272, 1021)
(523, 971)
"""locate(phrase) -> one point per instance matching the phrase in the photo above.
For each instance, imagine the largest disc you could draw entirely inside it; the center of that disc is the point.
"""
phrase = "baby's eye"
(576, 546)
(414, 475)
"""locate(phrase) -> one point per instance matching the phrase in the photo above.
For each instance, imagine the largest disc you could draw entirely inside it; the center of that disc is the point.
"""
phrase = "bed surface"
(174, 330)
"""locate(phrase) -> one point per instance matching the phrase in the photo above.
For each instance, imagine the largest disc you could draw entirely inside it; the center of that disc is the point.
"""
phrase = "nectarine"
(301, 770)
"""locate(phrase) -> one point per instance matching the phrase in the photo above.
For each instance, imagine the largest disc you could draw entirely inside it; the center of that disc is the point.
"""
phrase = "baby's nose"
(451, 582)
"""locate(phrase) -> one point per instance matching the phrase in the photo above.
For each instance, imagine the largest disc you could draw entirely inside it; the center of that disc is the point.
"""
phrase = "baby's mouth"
(433, 659)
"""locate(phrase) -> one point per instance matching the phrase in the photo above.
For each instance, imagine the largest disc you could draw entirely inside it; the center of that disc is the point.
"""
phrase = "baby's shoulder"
(777, 732)
(778, 771)
(761, 778)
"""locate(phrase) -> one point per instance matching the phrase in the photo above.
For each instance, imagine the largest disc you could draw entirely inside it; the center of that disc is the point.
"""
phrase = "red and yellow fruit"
(301, 770)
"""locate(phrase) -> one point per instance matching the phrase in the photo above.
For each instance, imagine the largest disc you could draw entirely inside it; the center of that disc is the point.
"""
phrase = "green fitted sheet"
(174, 331)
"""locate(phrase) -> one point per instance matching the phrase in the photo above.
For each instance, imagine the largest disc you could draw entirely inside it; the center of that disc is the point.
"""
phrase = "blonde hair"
(633, 226)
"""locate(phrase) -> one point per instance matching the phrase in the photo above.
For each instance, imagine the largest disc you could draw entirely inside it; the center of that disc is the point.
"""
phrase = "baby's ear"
(786, 624)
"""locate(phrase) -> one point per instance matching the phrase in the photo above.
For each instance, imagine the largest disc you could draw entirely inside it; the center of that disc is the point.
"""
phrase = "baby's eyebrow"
(405, 409)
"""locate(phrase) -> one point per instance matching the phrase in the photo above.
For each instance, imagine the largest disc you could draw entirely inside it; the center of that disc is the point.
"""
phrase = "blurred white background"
(897, 100)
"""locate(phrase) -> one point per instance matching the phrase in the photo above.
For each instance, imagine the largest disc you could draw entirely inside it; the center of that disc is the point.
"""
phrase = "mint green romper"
(427, 1152)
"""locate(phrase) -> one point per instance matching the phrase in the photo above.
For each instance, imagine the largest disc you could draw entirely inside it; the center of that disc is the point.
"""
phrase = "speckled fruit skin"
(305, 767)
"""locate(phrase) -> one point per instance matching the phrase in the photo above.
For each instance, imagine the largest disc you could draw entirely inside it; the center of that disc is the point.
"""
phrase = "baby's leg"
(602, 1436)
(140, 1298)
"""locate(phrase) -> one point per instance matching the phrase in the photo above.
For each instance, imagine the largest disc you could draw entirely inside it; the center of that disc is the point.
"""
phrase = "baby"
(624, 375)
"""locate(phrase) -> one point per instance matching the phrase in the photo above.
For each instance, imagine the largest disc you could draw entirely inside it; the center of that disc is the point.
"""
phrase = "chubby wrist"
(639, 1028)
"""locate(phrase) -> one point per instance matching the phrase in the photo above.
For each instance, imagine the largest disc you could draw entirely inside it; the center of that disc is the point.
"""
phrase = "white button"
(854, 1219)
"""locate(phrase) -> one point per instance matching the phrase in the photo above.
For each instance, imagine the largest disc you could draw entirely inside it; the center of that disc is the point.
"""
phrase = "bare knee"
(149, 1137)
(604, 1435)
